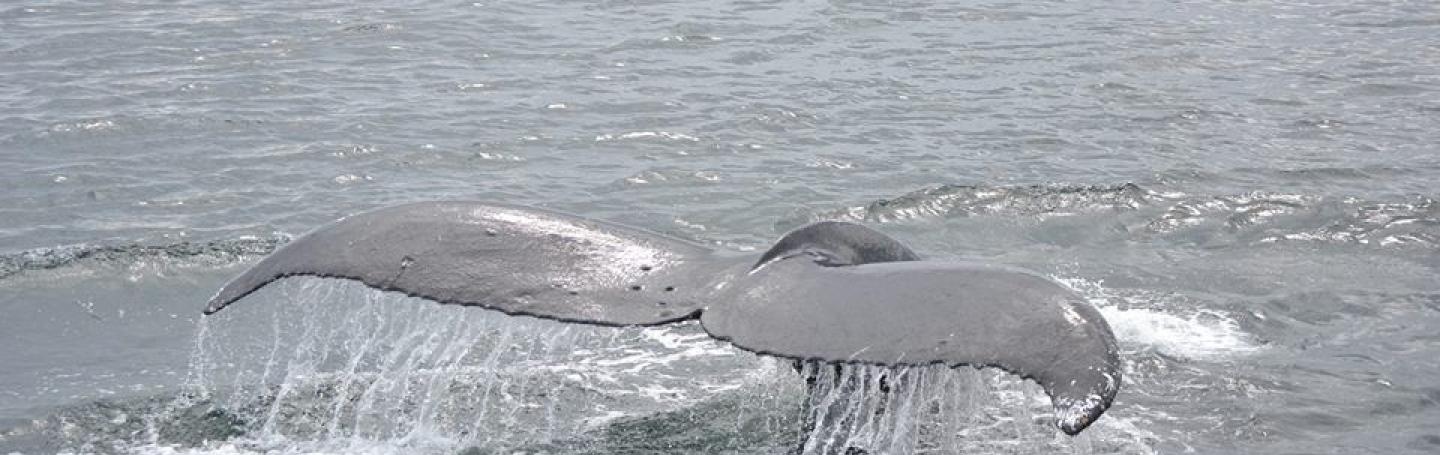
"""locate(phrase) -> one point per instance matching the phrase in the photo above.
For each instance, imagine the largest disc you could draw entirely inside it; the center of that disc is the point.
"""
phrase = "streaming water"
(343, 369)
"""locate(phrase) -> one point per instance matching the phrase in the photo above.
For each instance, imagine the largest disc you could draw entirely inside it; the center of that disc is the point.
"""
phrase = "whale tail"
(517, 260)
(861, 297)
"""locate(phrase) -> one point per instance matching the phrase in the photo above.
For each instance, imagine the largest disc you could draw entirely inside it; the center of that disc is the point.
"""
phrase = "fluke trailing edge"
(833, 292)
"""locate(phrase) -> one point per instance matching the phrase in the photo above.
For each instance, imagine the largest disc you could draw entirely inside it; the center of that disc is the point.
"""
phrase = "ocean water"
(1247, 191)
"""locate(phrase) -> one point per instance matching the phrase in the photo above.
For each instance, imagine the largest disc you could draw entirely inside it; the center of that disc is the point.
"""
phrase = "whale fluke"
(831, 291)
(517, 260)
(921, 313)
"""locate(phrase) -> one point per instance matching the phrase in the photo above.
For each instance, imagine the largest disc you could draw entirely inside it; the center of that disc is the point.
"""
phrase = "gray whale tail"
(831, 292)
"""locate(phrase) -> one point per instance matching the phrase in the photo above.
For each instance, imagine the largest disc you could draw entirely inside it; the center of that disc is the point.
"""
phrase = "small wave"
(87, 125)
(216, 252)
(669, 177)
(969, 200)
(1250, 218)
(690, 39)
(1415, 223)
(647, 135)
(1237, 211)
(1280, 218)
(370, 28)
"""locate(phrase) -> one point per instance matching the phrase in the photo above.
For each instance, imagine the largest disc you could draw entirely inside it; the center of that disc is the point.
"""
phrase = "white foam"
(1196, 334)
(1204, 335)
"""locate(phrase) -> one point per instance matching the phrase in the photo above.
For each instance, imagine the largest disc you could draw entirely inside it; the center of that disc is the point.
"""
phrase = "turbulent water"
(1245, 189)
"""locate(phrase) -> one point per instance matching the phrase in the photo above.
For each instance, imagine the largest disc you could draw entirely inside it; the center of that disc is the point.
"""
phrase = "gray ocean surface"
(1246, 189)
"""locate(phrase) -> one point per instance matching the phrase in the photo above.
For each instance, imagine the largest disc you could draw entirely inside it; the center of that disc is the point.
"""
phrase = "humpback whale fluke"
(831, 291)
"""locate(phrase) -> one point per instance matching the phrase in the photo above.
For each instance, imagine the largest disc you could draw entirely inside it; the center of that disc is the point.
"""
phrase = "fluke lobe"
(830, 291)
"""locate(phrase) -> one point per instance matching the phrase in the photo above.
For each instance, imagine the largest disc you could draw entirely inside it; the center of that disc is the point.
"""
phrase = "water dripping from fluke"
(863, 409)
(353, 369)
(341, 368)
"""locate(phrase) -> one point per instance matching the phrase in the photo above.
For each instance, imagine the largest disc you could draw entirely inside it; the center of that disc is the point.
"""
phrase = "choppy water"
(1246, 189)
